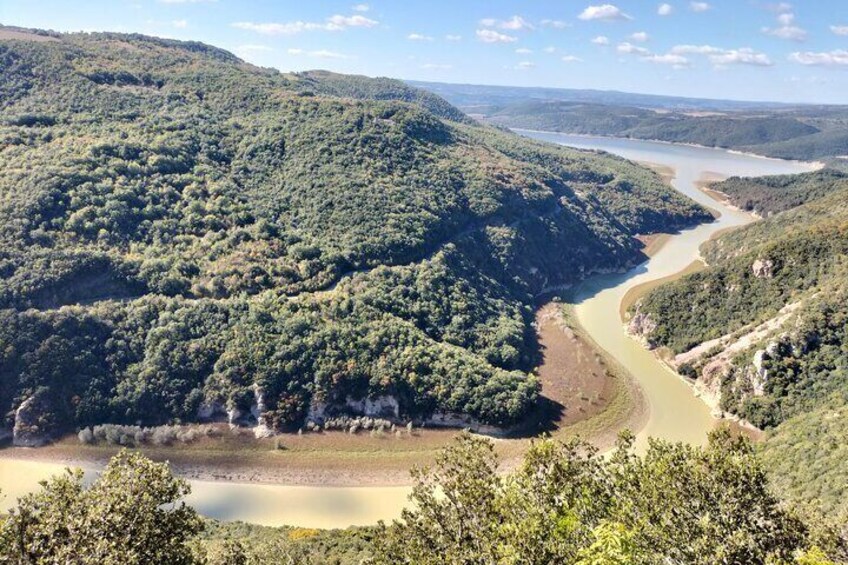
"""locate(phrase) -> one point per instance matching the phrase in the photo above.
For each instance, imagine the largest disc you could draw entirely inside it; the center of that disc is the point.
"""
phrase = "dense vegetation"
(790, 272)
(772, 194)
(183, 235)
(366, 88)
(788, 132)
(564, 504)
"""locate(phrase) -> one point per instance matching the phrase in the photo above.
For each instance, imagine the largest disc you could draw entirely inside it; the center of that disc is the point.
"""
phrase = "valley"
(657, 403)
(423, 283)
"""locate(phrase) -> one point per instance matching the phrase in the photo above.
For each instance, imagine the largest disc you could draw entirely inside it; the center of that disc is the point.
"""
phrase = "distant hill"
(468, 96)
(185, 236)
(774, 130)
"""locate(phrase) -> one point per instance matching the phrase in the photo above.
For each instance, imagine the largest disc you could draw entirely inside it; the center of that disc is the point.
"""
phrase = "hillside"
(763, 330)
(769, 195)
(186, 236)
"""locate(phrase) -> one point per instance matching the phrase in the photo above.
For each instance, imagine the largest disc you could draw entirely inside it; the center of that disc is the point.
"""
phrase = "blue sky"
(740, 49)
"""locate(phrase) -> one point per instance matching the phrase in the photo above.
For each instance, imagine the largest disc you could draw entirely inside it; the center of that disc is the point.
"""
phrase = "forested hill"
(765, 328)
(186, 236)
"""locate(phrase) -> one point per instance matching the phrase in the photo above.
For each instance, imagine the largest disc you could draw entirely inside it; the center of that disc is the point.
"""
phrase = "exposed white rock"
(210, 410)
(27, 431)
(317, 411)
(453, 420)
(233, 416)
(763, 268)
(760, 375)
(641, 325)
(261, 429)
(382, 406)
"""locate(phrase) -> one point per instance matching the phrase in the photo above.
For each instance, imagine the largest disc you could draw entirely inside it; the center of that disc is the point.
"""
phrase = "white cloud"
(631, 49)
(786, 19)
(699, 6)
(665, 9)
(491, 36)
(453, 38)
(419, 37)
(743, 56)
(787, 29)
(839, 30)
(342, 22)
(676, 61)
(524, 51)
(180, 24)
(436, 67)
(515, 23)
(639, 36)
(571, 59)
(549, 49)
(607, 12)
(525, 65)
(793, 33)
(696, 49)
(722, 57)
(361, 8)
(836, 58)
(556, 24)
(333, 23)
(319, 54)
(601, 40)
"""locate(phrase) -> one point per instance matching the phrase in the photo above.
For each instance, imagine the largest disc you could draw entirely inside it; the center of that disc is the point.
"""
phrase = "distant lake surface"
(675, 413)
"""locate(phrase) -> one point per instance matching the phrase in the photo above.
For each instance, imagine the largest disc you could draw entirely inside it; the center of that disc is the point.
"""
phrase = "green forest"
(792, 380)
(563, 504)
(187, 236)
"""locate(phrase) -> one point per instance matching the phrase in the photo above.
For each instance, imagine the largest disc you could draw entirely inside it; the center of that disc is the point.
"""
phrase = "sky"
(729, 49)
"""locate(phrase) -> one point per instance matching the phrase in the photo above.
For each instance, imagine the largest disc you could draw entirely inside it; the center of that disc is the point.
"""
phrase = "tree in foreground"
(676, 504)
(132, 514)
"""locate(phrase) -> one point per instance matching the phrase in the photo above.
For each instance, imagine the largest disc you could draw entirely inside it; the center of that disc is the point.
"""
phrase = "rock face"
(208, 411)
(641, 325)
(261, 429)
(385, 406)
(763, 268)
(760, 375)
(451, 420)
(29, 430)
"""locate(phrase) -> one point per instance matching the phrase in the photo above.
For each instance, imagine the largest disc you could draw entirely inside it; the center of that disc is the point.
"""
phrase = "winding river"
(674, 412)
